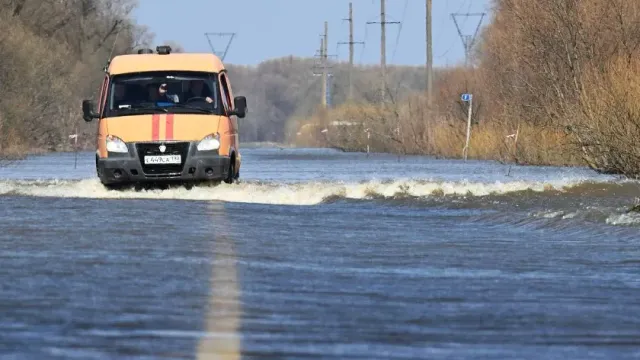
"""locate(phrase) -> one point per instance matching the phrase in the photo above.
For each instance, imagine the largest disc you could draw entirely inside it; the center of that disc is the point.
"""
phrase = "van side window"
(102, 94)
(226, 97)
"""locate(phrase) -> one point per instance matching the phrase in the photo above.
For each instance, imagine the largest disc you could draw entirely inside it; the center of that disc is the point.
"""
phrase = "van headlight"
(115, 144)
(210, 142)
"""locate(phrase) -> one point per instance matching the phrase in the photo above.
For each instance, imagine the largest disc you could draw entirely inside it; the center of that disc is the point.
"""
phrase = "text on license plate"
(163, 159)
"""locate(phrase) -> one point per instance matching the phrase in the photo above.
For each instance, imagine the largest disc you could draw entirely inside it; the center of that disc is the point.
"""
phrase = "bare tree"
(52, 52)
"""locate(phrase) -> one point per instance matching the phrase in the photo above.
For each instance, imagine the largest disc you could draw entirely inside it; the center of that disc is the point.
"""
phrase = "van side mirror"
(88, 110)
(241, 106)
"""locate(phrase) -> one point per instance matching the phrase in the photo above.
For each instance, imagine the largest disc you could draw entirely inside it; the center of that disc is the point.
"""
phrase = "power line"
(404, 14)
(366, 33)
(444, 19)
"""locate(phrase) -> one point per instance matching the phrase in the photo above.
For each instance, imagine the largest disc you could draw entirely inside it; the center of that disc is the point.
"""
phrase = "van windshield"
(166, 91)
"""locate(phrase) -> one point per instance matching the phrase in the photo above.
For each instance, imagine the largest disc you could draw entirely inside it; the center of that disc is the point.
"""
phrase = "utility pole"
(429, 34)
(350, 51)
(383, 48)
(351, 43)
(324, 67)
(323, 57)
(468, 41)
(231, 36)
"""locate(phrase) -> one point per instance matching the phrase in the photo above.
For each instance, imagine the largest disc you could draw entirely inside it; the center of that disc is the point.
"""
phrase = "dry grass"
(406, 130)
(568, 65)
(607, 117)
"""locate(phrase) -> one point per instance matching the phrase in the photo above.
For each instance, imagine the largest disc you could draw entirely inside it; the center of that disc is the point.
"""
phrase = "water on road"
(321, 254)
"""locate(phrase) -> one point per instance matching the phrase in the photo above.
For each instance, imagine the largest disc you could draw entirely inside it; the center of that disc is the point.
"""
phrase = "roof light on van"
(163, 50)
(145, 51)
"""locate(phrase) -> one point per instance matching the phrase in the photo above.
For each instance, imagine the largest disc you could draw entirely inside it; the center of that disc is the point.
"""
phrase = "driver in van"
(198, 89)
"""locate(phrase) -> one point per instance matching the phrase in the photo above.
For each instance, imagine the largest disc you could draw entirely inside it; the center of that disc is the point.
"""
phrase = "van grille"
(173, 148)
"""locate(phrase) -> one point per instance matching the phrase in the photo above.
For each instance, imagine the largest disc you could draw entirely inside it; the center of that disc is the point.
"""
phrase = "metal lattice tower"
(220, 34)
(468, 41)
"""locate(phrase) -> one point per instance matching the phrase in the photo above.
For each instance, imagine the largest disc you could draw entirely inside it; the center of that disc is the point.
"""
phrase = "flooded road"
(321, 254)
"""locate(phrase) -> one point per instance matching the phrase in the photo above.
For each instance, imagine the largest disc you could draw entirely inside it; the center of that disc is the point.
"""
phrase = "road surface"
(320, 254)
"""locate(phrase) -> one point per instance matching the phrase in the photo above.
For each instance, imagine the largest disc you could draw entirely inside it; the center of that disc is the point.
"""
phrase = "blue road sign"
(466, 97)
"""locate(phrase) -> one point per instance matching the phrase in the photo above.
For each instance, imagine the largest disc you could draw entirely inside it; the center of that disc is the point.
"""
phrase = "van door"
(102, 99)
(227, 101)
(102, 95)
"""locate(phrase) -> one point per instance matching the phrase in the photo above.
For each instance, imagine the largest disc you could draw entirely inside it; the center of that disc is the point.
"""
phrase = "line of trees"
(51, 57)
(281, 90)
(52, 53)
(554, 82)
(570, 65)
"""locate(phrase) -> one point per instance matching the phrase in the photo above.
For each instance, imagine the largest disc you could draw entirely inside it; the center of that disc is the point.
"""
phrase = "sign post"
(467, 98)
(74, 136)
(328, 93)
(368, 139)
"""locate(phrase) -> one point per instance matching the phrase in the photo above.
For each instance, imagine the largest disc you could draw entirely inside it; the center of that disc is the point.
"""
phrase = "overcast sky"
(273, 28)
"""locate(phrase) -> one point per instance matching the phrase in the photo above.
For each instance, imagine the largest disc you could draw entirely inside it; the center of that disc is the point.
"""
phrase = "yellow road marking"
(223, 317)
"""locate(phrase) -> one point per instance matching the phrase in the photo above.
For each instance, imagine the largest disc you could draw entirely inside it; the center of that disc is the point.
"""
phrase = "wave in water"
(616, 216)
(307, 193)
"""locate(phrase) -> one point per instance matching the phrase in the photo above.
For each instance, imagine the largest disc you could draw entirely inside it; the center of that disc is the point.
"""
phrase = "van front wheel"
(231, 175)
(98, 172)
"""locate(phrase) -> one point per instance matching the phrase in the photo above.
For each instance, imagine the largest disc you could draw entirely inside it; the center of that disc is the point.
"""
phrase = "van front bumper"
(194, 166)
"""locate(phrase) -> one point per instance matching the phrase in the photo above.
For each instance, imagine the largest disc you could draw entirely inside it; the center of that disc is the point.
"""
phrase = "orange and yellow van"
(166, 116)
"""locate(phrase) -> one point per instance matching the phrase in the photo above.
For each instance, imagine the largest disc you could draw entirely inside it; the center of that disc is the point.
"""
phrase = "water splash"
(303, 193)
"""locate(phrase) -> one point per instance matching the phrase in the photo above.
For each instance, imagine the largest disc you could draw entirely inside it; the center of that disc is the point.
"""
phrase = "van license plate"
(163, 159)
